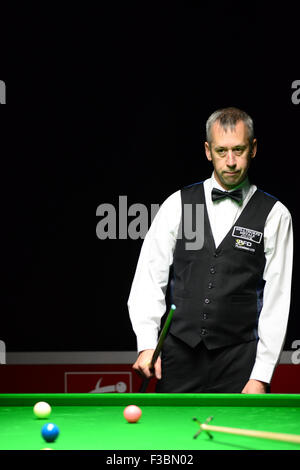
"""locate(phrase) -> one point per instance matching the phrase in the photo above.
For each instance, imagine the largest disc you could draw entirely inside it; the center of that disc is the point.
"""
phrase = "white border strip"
(72, 357)
(90, 357)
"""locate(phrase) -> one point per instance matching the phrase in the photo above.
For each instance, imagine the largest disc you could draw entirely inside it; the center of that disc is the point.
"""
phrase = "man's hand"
(142, 364)
(255, 386)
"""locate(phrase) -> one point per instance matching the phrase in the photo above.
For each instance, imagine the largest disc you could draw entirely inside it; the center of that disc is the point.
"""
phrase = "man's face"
(230, 154)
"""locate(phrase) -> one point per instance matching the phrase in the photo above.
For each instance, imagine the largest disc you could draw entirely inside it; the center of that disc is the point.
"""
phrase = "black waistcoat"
(218, 292)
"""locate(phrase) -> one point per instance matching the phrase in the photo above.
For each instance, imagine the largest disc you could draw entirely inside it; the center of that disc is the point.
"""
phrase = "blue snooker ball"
(50, 432)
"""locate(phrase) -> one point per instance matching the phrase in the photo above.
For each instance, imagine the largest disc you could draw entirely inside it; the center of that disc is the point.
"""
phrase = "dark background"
(95, 111)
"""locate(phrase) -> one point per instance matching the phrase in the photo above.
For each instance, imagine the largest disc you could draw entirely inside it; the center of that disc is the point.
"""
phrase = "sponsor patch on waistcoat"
(247, 234)
(244, 245)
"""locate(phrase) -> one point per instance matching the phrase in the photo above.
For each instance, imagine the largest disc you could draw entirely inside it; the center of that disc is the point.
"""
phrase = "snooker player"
(232, 295)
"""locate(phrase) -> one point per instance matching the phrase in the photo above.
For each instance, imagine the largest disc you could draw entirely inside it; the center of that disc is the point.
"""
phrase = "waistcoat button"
(207, 301)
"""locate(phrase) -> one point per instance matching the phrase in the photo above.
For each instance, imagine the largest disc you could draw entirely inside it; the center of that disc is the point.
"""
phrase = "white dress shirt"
(146, 301)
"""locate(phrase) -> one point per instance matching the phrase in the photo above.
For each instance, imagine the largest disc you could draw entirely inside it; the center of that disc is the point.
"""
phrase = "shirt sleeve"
(272, 325)
(146, 303)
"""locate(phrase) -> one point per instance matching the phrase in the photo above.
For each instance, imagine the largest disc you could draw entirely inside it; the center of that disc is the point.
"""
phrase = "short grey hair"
(228, 118)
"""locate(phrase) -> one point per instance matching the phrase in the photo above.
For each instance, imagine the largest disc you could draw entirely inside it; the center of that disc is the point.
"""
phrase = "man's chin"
(232, 180)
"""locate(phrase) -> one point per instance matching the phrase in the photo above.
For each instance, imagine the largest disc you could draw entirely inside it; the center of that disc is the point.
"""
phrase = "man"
(232, 295)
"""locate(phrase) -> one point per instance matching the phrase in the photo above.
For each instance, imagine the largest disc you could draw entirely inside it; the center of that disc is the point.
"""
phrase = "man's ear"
(207, 151)
(254, 148)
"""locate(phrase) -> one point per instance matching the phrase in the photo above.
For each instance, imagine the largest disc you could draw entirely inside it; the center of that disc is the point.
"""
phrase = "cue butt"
(158, 348)
(144, 385)
(277, 436)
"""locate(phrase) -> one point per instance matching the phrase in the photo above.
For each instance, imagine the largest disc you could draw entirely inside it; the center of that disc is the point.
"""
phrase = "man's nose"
(230, 158)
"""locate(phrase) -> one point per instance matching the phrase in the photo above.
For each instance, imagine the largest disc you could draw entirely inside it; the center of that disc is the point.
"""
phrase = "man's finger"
(157, 368)
(143, 369)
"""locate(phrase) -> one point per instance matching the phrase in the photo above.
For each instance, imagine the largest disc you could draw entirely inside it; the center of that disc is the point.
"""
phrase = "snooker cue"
(158, 348)
(277, 436)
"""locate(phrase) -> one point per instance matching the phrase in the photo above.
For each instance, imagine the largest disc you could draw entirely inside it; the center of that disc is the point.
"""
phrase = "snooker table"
(95, 421)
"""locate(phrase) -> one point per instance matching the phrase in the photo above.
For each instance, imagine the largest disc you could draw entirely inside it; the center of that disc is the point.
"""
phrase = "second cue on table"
(276, 436)
(158, 348)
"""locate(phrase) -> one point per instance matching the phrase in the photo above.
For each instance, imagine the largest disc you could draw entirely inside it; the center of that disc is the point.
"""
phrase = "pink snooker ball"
(132, 413)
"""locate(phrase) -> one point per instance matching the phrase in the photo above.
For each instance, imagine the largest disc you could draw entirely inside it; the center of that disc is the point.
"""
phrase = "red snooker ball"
(132, 413)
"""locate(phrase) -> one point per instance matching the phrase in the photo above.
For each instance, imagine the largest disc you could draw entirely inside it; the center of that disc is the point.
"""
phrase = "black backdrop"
(119, 108)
